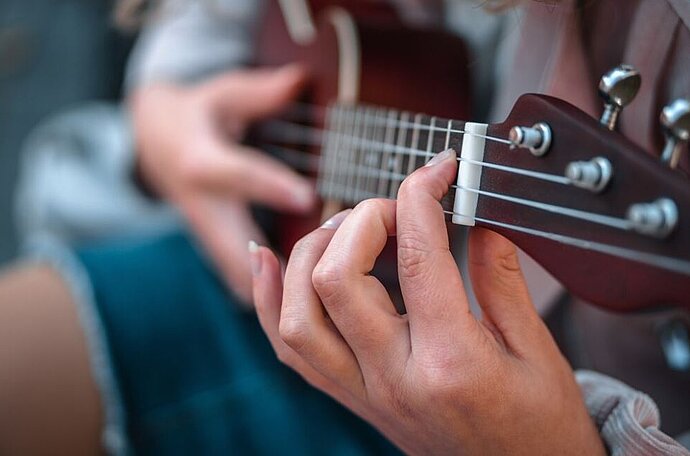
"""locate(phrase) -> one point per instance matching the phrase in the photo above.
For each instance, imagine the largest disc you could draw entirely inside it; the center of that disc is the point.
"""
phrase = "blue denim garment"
(196, 374)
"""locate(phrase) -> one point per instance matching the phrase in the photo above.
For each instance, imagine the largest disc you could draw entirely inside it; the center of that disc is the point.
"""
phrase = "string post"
(656, 219)
(537, 138)
(618, 87)
(675, 122)
(593, 175)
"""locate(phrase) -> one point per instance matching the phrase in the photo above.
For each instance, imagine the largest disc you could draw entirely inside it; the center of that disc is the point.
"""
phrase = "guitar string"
(662, 261)
(613, 222)
(408, 151)
(665, 262)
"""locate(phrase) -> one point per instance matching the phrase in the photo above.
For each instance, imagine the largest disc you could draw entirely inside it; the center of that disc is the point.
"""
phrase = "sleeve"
(628, 420)
(187, 40)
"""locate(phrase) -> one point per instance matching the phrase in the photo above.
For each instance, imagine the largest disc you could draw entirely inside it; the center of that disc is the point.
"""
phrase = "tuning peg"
(618, 87)
(536, 138)
(675, 121)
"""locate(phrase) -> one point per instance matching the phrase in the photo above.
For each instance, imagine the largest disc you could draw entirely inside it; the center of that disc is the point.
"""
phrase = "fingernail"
(440, 157)
(303, 197)
(334, 222)
(254, 258)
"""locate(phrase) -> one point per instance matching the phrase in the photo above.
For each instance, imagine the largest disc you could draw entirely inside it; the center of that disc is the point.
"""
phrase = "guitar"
(610, 222)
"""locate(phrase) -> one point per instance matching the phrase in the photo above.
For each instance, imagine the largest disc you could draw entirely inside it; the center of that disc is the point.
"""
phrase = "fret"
(448, 130)
(430, 140)
(414, 144)
(376, 151)
(384, 184)
(365, 146)
(351, 153)
(328, 162)
(398, 156)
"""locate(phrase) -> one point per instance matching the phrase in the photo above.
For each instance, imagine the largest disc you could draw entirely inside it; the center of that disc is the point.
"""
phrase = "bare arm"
(50, 403)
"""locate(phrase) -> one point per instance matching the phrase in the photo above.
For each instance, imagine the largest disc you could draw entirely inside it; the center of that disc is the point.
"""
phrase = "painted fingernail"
(254, 258)
(334, 222)
(440, 157)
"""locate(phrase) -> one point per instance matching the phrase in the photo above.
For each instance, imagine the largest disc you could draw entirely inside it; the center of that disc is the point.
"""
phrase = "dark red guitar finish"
(611, 265)
(637, 177)
(397, 69)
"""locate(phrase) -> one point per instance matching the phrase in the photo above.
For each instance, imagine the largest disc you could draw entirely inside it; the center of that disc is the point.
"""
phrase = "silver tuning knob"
(656, 219)
(675, 121)
(618, 88)
(536, 138)
(593, 175)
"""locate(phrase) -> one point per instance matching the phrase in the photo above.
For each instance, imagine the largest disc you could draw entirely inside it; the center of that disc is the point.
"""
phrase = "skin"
(437, 380)
(50, 403)
(189, 153)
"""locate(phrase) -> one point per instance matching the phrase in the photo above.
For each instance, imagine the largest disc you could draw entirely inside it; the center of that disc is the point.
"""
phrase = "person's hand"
(188, 148)
(436, 380)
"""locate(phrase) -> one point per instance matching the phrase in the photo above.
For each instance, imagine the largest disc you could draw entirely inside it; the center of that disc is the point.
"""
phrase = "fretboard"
(368, 151)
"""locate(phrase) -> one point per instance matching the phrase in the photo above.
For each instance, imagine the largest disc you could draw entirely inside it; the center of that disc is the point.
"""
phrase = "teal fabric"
(196, 374)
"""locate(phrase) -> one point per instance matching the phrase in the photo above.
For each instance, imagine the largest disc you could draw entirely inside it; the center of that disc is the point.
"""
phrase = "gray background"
(54, 54)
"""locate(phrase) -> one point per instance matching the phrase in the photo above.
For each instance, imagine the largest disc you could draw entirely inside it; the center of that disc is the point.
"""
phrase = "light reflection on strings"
(303, 135)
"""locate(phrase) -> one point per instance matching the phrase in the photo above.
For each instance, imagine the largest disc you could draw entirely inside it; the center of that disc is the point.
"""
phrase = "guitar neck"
(530, 197)
(368, 151)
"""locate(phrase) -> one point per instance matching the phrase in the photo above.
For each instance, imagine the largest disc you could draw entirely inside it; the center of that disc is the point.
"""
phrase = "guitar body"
(362, 53)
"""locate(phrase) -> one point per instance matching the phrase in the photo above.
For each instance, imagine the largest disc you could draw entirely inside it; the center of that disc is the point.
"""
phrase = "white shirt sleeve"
(627, 419)
(187, 40)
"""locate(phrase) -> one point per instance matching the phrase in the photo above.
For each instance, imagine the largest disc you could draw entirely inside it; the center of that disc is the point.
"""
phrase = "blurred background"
(54, 55)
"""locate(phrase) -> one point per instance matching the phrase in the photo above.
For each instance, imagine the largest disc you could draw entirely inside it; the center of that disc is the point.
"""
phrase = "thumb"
(500, 287)
(253, 94)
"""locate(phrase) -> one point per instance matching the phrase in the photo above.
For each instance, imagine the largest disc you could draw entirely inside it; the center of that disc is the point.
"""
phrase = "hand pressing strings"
(436, 380)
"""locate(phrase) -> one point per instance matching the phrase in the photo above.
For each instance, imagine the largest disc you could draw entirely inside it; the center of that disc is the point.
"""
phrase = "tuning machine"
(536, 138)
(657, 218)
(618, 88)
(675, 121)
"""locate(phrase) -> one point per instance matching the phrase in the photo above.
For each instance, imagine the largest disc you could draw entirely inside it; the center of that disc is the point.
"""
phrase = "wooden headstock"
(623, 244)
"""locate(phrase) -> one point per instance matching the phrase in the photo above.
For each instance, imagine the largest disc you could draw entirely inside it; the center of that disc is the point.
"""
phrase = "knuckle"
(508, 262)
(413, 255)
(294, 332)
(328, 279)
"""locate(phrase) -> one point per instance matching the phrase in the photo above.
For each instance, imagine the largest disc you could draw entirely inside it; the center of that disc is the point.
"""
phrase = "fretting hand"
(436, 380)
(189, 153)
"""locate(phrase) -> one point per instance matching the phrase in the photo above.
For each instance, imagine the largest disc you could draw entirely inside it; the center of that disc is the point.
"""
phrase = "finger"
(500, 287)
(253, 94)
(431, 285)
(224, 227)
(357, 302)
(244, 172)
(268, 294)
(303, 323)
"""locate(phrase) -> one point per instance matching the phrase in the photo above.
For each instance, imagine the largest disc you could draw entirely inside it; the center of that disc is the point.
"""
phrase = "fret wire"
(351, 150)
(364, 151)
(430, 140)
(397, 168)
(373, 156)
(385, 156)
(412, 160)
(448, 129)
(324, 162)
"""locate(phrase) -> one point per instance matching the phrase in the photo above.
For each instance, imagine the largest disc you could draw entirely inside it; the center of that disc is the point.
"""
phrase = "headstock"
(610, 221)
